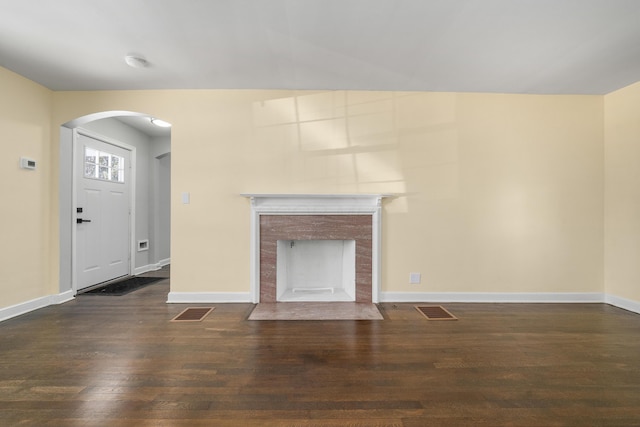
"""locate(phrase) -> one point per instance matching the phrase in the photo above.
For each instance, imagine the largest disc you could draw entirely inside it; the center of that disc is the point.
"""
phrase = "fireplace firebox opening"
(316, 270)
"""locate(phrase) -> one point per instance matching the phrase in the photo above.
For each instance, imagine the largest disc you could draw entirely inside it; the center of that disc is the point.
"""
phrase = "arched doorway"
(149, 237)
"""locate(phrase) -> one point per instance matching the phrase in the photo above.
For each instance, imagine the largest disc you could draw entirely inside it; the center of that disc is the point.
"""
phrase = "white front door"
(103, 211)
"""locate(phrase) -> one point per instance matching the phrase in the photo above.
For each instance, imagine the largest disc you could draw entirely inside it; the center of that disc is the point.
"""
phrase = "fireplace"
(274, 228)
(297, 238)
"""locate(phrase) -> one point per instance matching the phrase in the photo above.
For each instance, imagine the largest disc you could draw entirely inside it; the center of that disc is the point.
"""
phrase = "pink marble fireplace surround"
(315, 217)
(314, 227)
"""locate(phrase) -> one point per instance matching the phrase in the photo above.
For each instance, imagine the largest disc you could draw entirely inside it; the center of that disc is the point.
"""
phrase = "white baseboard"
(34, 304)
(245, 297)
(144, 269)
(486, 297)
(623, 303)
(63, 297)
(497, 297)
(207, 297)
(151, 267)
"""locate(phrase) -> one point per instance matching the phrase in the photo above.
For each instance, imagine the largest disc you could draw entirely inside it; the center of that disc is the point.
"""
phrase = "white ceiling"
(144, 125)
(510, 46)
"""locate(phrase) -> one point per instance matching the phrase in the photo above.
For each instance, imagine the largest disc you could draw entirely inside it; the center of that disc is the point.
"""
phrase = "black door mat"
(435, 312)
(124, 287)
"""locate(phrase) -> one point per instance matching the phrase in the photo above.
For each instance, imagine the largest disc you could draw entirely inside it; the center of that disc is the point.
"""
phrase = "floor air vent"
(435, 312)
(192, 315)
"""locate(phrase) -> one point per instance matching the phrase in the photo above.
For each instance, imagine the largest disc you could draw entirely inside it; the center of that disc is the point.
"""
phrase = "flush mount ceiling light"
(160, 123)
(136, 61)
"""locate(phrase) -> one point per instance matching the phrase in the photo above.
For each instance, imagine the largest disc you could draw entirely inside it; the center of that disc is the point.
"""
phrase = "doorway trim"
(74, 186)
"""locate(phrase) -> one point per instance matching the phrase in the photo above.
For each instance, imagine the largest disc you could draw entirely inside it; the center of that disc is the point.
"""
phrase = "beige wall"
(25, 262)
(496, 193)
(504, 196)
(622, 207)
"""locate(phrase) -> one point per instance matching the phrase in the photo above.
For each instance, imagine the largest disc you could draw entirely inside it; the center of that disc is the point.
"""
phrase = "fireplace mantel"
(315, 204)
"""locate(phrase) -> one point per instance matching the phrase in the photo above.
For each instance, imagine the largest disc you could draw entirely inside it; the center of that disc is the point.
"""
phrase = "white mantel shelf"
(314, 195)
(314, 204)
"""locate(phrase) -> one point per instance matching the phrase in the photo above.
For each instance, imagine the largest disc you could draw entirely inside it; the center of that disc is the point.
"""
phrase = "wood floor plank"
(119, 361)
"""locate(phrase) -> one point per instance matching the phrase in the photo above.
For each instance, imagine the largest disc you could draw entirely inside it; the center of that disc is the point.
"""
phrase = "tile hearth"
(315, 311)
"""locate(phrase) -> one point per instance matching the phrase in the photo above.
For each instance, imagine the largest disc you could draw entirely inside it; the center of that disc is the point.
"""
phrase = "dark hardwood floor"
(119, 361)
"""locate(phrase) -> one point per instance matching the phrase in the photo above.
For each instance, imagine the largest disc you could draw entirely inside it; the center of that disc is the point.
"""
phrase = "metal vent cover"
(435, 312)
(192, 314)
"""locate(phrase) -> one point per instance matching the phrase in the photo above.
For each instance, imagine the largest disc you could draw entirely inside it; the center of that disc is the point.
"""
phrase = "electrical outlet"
(414, 278)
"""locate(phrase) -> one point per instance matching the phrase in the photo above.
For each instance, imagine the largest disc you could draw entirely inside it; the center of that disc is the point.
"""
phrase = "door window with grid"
(103, 166)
